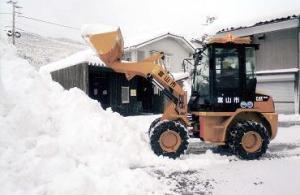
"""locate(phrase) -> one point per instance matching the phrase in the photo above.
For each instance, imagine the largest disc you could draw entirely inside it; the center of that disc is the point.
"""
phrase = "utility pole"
(13, 31)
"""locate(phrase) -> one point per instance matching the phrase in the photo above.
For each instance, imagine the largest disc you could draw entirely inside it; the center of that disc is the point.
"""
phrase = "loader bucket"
(108, 45)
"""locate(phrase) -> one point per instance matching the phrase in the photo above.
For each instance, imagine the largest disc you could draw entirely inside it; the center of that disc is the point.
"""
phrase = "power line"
(15, 34)
(48, 22)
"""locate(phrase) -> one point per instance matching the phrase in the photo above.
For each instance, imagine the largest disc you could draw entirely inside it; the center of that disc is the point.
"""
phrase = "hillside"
(39, 50)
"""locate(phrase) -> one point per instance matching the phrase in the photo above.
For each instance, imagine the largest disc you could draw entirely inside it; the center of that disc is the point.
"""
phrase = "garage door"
(281, 88)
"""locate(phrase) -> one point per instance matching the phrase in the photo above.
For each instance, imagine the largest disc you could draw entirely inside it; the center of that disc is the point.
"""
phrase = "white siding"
(171, 47)
(282, 92)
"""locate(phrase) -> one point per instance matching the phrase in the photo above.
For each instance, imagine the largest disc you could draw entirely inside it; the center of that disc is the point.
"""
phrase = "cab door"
(227, 76)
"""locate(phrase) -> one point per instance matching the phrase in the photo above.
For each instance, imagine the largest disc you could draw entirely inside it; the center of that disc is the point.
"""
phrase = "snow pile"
(54, 141)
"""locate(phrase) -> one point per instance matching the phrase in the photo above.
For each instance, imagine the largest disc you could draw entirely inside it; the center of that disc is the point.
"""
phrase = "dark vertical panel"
(70, 77)
(158, 103)
(86, 78)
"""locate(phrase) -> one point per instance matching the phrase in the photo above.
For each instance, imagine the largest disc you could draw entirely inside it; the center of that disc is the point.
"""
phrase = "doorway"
(145, 94)
(99, 88)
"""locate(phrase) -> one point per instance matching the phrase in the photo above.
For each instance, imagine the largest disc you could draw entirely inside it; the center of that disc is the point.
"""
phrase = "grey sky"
(140, 16)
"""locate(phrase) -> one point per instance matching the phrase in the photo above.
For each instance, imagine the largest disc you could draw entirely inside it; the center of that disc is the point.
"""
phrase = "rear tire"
(248, 139)
(170, 139)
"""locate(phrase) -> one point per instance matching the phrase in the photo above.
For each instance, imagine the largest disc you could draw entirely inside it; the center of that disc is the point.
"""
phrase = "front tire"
(170, 139)
(153, 124)
(248, 139)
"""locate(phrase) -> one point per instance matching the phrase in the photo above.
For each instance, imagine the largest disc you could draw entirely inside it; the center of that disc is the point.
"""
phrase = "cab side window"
(250, 69)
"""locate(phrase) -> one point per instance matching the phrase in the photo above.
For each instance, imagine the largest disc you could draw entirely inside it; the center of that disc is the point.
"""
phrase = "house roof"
(145, 39)
(90, 57)
(85, 56)
(264, 26)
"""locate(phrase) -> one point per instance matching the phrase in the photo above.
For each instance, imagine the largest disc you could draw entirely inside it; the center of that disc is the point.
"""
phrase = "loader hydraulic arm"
(152, 70)
(109, 47)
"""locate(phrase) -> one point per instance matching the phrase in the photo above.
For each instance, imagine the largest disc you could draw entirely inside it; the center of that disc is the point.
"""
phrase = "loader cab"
(223, 77)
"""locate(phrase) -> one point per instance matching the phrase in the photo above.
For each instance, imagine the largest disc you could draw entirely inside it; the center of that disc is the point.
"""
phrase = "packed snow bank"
(54, 141)
(3, 99)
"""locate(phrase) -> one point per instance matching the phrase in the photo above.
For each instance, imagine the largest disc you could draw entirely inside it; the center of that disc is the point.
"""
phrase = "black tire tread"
(161, 127)
(236, 133)
(153, 124)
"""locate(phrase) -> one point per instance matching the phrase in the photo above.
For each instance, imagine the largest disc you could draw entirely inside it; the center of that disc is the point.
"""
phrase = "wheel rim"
(170, 141)
(251, 141)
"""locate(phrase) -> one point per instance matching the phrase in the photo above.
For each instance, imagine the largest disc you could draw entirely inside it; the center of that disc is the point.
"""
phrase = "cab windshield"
(201, 76)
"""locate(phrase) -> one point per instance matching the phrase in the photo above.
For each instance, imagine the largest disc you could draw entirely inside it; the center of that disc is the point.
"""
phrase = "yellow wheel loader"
(224, 107)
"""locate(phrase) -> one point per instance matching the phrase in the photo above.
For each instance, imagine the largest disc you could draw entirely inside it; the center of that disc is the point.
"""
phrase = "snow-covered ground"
(54, 141)
(277, 172)
(286, 117)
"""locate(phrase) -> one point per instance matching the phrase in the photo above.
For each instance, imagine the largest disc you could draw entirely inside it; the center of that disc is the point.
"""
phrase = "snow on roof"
(262, 23)
(90, 29)
(85, 56)
(180, 75)
(288, 70)
(144, 39)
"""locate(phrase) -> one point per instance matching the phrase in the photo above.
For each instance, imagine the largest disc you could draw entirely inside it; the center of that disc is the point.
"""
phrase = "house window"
(125, 95)
(127, 56)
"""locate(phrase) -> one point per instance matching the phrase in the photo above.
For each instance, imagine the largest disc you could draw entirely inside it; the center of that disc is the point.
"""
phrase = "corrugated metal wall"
(282, 93)
(74, 76)
(81, 75)
(277, 50)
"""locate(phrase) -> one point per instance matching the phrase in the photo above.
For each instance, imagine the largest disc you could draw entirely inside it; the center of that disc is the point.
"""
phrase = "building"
(175, 47)
(86, 71)
(277, 60)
